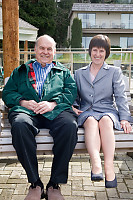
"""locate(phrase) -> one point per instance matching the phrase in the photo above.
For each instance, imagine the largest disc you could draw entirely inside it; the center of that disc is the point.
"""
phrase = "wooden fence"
(74, 59)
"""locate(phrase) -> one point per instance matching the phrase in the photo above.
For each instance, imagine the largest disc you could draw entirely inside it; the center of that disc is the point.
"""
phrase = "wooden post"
(10, 16)
(26, 51)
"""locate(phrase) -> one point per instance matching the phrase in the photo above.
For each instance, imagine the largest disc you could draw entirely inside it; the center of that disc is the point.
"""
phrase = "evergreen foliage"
(39, 13)
(52, 17)
(94, 1)
(62, 22)
(76, 41)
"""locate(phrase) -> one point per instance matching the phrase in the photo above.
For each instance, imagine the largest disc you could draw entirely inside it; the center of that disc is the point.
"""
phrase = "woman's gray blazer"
(99, 95)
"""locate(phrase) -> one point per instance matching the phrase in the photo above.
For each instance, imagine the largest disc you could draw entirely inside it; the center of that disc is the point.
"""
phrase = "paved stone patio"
(14, 185)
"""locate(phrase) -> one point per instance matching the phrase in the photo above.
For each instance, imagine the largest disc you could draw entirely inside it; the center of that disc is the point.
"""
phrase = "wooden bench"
(124, 142)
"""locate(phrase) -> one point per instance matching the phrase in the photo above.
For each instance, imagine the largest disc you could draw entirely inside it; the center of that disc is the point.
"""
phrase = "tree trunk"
(10, 16)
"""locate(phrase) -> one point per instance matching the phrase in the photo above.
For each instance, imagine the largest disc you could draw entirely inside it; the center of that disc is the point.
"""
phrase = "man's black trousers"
(63, 129)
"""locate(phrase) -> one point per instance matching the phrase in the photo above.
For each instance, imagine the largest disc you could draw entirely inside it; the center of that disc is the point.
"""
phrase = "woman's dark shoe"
(96, 177)
(111, 184)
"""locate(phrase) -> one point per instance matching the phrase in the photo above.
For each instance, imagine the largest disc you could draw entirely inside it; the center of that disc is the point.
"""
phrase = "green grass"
(82, 58)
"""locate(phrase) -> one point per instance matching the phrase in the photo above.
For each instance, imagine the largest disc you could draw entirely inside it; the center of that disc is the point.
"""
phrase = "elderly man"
(40, 94)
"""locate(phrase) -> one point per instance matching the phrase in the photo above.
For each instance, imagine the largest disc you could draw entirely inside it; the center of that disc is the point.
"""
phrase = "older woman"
(98, 84)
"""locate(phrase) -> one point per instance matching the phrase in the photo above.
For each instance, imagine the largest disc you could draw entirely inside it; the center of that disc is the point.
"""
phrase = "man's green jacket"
(59, 86)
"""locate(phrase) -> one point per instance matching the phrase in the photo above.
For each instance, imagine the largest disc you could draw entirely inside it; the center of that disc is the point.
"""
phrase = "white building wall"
(107, 19)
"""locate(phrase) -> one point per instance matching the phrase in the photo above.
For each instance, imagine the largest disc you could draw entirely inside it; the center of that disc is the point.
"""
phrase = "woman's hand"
(126, 126)
(77, 111)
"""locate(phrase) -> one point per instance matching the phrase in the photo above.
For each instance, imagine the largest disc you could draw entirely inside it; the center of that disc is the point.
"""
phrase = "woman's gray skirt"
(98, 115)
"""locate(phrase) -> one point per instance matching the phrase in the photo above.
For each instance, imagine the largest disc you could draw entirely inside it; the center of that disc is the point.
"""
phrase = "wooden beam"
(26, 51)
(10, 14)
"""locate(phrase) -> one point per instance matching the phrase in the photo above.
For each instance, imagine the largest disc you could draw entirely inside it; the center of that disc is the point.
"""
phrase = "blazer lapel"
(102, 72)
(86, 74)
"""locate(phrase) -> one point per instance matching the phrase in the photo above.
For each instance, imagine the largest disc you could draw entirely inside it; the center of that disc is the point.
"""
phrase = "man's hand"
(44, 106)
(31, 104)
(39, 108)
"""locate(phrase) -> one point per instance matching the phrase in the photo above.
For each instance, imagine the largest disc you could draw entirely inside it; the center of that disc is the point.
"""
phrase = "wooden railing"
(74, 58)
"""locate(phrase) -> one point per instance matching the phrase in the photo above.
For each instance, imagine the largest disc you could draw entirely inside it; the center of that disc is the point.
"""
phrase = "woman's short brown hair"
(100, 41)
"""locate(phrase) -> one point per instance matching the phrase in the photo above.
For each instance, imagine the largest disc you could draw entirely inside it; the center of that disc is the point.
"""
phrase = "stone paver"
(14, 185)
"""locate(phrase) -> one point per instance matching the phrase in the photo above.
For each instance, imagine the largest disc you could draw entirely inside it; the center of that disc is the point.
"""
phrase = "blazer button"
(91, 95)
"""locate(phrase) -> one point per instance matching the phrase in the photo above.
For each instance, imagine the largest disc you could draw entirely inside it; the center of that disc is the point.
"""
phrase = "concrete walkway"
(14, 186)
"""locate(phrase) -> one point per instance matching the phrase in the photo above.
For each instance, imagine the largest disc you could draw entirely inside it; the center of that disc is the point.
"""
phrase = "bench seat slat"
(48, 139)
(124, 146)
(7, 132)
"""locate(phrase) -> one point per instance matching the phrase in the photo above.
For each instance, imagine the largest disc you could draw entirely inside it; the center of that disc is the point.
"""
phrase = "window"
(88, 20)
(123, 42)
(86, 42)
(131, 21)
(130, 42)
(126, 42)
(127, 19)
